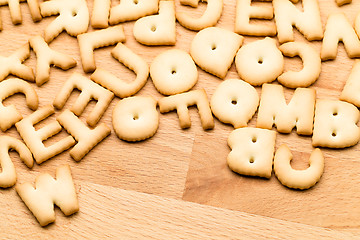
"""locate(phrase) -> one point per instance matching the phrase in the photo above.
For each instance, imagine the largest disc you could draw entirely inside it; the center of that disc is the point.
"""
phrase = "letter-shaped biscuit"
(119, 87)
(213, 50)
(173, 72)
(86, 138)
(298, 113)
(129, 10)
(9, 115)
(135, 118)
(235, 102)
(252, 151)
(15, 12)
(338, 29)
(351, 92)
(88, 42)
(259, 62)
(89, 90)
(311, 65)
(49, 191)
(100, 13)
(73, 17)
(342, 2)
(182, 101)
(13, 65)
(157, 29)
(335, 124)
(34, 138)
(245, 12)
(209, 18)
(307, 22)
(47, 57)
(8, 174)
(298, 179)
(34, 10)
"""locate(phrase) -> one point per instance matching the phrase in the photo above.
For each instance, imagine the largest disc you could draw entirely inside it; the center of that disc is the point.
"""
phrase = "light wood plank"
(120, 214)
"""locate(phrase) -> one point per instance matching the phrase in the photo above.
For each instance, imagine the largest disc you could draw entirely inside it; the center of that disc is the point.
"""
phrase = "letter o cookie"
(135, 118)
(234, 102)
(173, 72)
(259, 62)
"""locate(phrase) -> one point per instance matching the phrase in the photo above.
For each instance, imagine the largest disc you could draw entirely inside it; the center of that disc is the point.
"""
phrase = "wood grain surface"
(177, 184)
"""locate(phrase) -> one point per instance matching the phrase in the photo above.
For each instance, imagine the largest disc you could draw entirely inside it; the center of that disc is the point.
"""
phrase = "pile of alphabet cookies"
(174, 73)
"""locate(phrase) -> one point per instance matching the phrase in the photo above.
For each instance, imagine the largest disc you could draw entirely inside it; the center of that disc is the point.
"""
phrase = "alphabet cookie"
(34, 8)
(88, 42)
(100, 13)
(298, 179)
(129, 10)
(182, 101)
(259, 62)
(49, 191)
(173, 72)
(234, 101)
(157, 29)
(298, 113)
(34, 138)
(9, 115)
(213, 50)
(89, 90)
(47, 57)
(135, 118)
(13, 65)
(8, 174)
(252, 151)
(335, 124)
(209, 18)
(311, 62)
(338, 29)
(15, 12)
(245, 12)
(308, 22)
(73, 17)
(350, 93)
(86, 138)
(119, 87)
(342, 2)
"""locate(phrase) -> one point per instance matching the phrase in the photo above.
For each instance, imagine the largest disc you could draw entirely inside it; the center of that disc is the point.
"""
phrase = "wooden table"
(177, 184)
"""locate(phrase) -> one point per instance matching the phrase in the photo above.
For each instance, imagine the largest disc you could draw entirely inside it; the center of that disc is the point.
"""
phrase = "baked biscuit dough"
(209, 18)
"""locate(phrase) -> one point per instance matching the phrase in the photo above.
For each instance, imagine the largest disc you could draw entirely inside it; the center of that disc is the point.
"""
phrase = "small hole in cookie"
(74, 14)
(135, 117)
(260, 61)
(153, 28)
(213, 47)
(335, 114)
(333, 134)
(234, 102)
(136, 2)
(254, 139)
(173, 71)
(251, 160)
